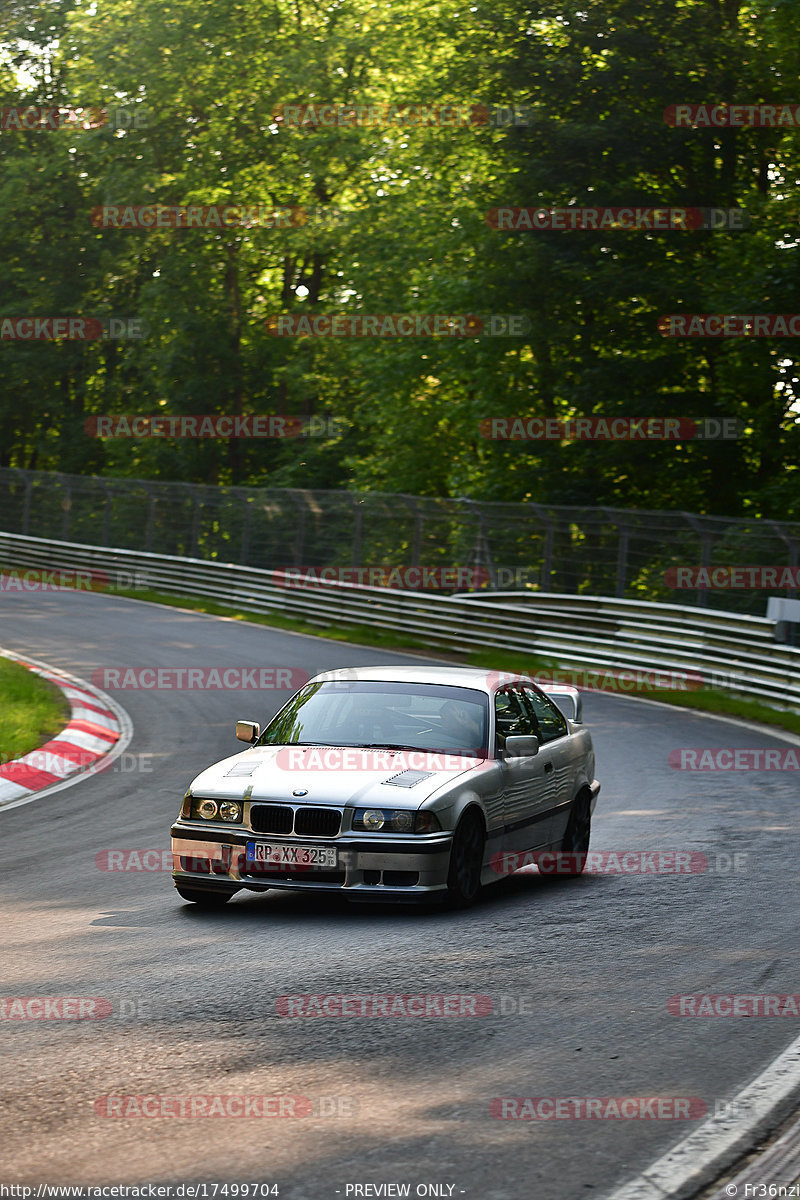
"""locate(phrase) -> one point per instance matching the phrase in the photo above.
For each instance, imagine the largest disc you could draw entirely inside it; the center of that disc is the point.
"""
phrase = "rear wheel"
(466, 860)
(576, 837)
(205, 897)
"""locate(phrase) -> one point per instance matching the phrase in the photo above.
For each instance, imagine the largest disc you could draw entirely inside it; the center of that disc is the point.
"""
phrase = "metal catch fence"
(550, 549)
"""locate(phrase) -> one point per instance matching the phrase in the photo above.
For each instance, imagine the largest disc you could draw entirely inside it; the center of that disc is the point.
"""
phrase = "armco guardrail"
(730, 650)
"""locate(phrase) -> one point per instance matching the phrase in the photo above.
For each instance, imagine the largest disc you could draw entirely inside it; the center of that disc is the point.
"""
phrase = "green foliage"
(412, 236)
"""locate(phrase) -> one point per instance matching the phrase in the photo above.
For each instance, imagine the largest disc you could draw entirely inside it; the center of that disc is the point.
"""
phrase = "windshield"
(408, 716)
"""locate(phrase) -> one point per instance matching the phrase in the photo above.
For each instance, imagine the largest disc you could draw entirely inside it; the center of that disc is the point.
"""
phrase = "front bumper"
(368, 868)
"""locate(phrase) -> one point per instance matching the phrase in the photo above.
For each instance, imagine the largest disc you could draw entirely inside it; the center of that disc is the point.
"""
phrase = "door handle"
(548, 768)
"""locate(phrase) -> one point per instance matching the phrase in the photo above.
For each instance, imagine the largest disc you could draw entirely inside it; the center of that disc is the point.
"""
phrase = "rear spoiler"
(563, 691)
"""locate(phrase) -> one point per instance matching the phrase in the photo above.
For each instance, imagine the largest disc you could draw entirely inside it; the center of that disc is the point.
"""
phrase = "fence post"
(622, 557)
(151, 521)
(358, 529)
(792, 543)
(66, 505)
(247, 520)
(107, 516)
(26, 506)
(481, 550)
(193, 550)
(300, 534)
(416, 543)
(549, 547)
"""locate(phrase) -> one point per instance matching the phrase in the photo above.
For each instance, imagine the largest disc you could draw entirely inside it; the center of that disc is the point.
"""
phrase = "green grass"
(32, 710)
(713, 700)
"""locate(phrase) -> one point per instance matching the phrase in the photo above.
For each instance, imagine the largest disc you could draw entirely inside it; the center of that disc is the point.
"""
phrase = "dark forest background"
(412, 238)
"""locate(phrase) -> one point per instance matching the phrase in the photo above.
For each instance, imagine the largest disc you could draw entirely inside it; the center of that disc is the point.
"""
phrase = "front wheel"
(466, 861)
(205, 897)
(576, 837)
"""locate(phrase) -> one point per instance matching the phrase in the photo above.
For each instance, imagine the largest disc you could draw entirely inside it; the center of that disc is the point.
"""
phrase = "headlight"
(207, 809)
(397, 820)
(371, 818)
(214, 810)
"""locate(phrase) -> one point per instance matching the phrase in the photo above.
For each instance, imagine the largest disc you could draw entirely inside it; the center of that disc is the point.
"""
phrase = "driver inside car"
(462, 725)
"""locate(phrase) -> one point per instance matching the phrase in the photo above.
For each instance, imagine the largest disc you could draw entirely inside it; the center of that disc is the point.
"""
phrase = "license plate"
(286, 858)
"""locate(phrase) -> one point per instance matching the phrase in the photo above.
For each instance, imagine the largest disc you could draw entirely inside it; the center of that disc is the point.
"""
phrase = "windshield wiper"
(388, 746)
(354, 745)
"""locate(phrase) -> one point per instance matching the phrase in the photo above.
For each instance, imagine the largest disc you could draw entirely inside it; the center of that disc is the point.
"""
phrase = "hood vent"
(243, 768)
(408, 778)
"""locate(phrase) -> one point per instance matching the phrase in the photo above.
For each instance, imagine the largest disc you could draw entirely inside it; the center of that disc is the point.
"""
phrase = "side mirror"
(248, 731)
(522, 745)
(563, 691)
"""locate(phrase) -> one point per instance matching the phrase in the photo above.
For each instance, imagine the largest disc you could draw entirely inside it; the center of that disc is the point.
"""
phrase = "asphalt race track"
(579, 971)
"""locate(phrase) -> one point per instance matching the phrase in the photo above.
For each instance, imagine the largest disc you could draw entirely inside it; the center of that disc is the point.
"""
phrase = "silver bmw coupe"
(393, 783)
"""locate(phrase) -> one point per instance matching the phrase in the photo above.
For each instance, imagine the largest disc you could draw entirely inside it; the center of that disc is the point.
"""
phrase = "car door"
(555, 744)
(528, 783)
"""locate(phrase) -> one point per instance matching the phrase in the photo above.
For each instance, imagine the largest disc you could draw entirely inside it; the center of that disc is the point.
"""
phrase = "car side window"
(511, 716)
(550, 720)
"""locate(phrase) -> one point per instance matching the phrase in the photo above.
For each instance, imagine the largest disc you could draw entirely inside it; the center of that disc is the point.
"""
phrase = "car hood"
(333, 775)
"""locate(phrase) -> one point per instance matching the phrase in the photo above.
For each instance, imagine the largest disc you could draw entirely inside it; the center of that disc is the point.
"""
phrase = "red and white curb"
(99, 730)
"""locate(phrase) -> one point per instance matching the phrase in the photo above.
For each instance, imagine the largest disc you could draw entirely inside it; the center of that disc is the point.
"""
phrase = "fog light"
(207, 809)
(372, 819)
(230, 811)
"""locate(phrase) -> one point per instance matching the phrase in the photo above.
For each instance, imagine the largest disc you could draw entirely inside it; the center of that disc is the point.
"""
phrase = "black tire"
(205, 897)
(466, 860)
(577, 836)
